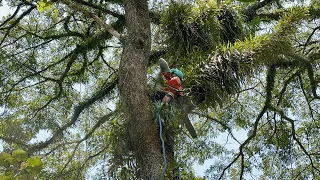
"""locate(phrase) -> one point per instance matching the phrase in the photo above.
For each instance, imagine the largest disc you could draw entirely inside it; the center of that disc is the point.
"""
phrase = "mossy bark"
(133, 90)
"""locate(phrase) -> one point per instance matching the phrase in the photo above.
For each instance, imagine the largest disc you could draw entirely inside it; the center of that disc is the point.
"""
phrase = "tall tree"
(82, 71)
(133, 89)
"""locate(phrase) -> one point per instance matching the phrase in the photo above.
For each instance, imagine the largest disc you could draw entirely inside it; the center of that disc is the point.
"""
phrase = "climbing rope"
(162, 141)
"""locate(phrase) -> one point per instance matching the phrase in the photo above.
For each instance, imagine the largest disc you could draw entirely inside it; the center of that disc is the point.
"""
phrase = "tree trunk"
(133, 90)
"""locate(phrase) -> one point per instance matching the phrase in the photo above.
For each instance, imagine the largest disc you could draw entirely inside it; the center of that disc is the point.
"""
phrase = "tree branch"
(309, 38)
(91, 157)
(96, 126)
(310, 72)
(13, 140)
(105, 90)
(251, 11)
(101, 8)
(15, 23)
(306, 96)
(291, 121)
(269, 88)
(225, 126)
(77, 7)
(11, 17)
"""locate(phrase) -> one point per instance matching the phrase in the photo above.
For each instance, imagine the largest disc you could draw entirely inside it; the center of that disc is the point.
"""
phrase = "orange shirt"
(174, 82)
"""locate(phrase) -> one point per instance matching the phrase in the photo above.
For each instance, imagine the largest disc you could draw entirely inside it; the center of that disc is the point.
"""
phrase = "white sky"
(4, 10)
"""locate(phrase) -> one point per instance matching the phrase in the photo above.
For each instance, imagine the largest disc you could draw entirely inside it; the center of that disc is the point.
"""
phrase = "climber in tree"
(173, 89)
(172, 82)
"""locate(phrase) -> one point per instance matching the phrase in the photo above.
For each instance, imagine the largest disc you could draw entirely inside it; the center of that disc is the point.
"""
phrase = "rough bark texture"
(133, 90)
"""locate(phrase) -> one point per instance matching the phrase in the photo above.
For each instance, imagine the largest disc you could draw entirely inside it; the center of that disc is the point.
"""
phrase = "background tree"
(79, 71)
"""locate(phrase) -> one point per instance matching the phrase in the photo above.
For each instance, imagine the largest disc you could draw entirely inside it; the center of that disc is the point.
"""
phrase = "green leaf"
(35, 161)
(10, 160)
(5, 159)
(40, 8)
(3, 156)
(4, 177)
(23, 165)
(55, 14)
(255, 21)
(42, 4)
(46, 8)
(34, 165)
(9, 173)
(20, 155)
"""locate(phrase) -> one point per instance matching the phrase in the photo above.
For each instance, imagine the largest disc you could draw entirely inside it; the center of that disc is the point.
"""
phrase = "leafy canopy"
(250, 67)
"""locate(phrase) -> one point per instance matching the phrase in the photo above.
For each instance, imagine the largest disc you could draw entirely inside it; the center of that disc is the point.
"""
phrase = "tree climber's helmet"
(177, 72)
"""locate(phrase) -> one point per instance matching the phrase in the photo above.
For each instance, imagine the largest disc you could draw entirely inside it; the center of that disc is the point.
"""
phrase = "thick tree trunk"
(133, 90)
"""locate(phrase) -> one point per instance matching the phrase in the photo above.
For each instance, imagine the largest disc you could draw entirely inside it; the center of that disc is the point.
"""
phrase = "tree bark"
(133, 90)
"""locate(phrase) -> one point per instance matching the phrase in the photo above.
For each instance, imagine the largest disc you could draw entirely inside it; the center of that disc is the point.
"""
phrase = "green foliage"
(188, 28)
(20, 155)
(18, 165)
(192, 31)
(315, 3)
(55, 72)
(33, 165)
(288, 23)
(242, 59)
(314, 9)
(232, 27)
(44, 5)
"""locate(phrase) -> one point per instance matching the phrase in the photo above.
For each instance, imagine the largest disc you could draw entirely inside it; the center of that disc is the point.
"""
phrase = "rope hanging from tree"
(162, 141)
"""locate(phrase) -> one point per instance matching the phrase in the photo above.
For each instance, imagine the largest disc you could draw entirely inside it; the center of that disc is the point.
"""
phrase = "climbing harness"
(162, 141)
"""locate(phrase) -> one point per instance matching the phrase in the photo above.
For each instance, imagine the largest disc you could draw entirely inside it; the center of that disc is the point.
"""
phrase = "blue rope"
(162, 141)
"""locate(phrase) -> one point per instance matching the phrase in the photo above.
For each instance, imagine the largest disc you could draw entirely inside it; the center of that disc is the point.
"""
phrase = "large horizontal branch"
(269, 16)
(155, 55)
